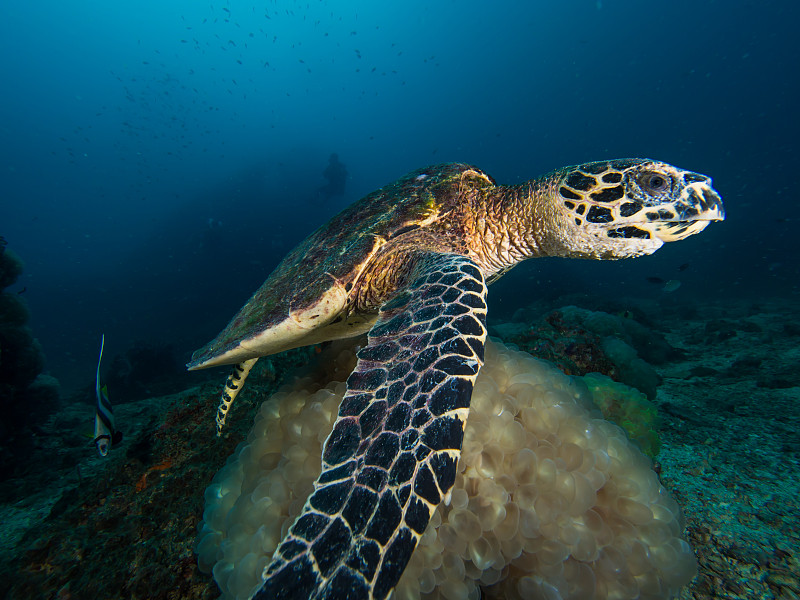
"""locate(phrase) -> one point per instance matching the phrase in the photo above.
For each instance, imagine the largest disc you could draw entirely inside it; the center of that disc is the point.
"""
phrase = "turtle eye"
(655, 182)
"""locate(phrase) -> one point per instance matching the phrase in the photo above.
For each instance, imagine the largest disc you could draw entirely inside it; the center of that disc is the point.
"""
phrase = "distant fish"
(683, 267)
(655, 280)
(106, 434)
(672, 285)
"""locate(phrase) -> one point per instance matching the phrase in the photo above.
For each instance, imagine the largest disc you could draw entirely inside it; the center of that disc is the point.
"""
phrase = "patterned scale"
(392, 454)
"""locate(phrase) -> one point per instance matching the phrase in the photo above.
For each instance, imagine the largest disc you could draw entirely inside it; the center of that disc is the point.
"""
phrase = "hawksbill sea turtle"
(410, 264)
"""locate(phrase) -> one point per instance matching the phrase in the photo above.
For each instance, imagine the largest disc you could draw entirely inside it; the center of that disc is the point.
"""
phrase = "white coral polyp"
(550, 502)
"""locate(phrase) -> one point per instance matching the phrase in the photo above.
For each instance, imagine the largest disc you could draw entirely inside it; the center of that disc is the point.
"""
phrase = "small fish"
(106, 434)
(672, 285)
(683, 267)
(655, 280)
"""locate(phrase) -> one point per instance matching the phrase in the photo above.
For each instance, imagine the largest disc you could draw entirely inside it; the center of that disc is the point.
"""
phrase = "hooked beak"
(698, 205)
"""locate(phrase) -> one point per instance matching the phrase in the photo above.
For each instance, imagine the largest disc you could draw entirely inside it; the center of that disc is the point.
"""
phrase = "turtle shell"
(302, 302)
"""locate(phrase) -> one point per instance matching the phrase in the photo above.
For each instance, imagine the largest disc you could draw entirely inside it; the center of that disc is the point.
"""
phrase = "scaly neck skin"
(512, 223)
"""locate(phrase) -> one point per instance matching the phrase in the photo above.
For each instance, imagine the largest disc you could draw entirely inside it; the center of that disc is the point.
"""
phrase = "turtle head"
(630, 207)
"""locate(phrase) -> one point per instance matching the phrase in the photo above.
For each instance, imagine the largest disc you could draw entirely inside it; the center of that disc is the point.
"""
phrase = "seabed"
(78, 526)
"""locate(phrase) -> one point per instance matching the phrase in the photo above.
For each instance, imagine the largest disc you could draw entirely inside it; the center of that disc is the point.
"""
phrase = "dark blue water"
(158, 159)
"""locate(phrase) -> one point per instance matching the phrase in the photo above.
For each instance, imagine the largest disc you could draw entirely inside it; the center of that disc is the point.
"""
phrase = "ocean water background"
(159, 158)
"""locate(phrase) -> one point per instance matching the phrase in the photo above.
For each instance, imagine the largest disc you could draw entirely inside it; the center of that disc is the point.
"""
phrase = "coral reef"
(575, 350)
(10, 265)
(27, 397)
(125, 526)
(582, 341)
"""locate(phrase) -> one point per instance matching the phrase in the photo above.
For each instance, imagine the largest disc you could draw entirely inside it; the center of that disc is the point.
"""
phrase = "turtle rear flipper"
(233, 385)
(392, 454)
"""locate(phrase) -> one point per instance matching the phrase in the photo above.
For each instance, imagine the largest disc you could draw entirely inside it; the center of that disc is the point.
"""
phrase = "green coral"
(627, 407)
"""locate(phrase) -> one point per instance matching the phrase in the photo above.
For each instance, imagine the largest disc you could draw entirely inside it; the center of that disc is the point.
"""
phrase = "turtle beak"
(697, 205)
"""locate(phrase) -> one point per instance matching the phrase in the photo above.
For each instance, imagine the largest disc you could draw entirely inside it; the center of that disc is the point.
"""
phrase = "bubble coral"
(549, 501)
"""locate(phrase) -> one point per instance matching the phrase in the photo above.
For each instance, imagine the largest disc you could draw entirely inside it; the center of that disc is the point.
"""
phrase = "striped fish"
(105, 433)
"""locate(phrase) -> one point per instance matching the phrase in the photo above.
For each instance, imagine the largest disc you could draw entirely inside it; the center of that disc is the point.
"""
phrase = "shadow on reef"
(27, 396)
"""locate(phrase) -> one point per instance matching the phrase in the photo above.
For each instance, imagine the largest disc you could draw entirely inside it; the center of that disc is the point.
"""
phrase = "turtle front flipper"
(392, 454)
